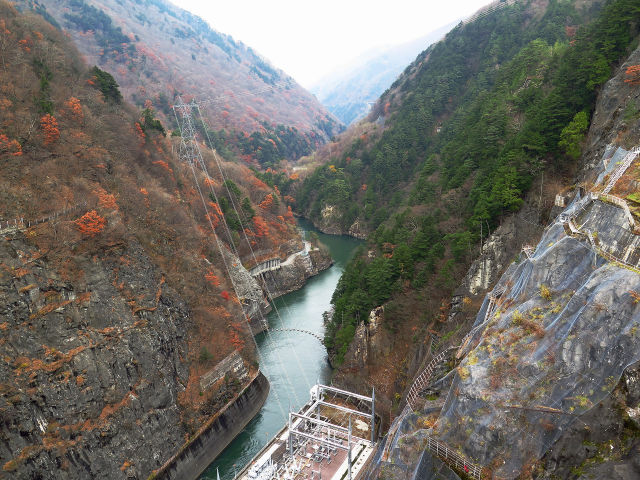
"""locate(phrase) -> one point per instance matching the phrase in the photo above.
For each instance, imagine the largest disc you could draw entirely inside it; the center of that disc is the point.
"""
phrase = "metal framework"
(188, 150)
(320, 441)
(310, 425)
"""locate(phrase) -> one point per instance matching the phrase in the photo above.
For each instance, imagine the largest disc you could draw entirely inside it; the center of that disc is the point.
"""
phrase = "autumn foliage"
(90, 223)
(9, 147)
(289, 215)
(267, 203)
(50, 128)
(106, 200)
(74, 108)
(141, 135)
(145, 210)
(633, 75)
(212, 278)
(216, 208)
(260, 226)
(164, 165)
(235, 335)
(213, 219)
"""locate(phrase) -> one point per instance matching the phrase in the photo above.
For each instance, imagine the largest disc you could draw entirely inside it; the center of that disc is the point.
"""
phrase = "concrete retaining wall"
(213, 438)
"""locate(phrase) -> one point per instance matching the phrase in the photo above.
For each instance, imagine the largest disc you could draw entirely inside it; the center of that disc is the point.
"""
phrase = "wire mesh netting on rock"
(551, 343)
(563, 331)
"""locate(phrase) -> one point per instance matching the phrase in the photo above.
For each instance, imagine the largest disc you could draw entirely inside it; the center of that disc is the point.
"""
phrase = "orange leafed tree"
(256, 182)
(289, 215)
(90, 223)
(235, 335)
(260, 226)
(164, 165)
(106, 200)
(74, 108)
(212, 278)
(141, 135)
(213, 219)
(49, 125)
(216, 208)
(633, 75)
(9, 147)
(267, 202)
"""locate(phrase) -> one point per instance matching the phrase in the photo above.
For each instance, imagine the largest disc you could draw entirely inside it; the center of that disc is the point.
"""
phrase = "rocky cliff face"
(116, 310)
(295, 271)
(89, 376)
(331, 222)
(254, 302)
(605, 442)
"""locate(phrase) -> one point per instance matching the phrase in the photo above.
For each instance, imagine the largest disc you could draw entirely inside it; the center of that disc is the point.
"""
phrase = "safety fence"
(18, 224)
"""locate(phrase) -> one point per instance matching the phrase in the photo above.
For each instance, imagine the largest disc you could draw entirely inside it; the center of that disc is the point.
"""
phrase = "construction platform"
(332, 437)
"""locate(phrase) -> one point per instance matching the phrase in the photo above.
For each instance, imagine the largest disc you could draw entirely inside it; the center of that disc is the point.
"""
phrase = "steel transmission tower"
(188, 150)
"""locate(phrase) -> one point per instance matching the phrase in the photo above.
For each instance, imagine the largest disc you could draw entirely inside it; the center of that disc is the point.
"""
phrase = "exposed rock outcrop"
(253, 299)
(369, 340)
(293, 272)
(331, 221)
(88, 377)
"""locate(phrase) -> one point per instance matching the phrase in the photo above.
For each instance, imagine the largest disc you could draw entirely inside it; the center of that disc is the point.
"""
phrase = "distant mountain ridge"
(349, 93)
(156, 50)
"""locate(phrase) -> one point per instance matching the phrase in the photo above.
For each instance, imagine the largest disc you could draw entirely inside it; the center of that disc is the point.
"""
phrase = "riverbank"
(292, 361)
(276, 277)
(194, 457)
(294, 272)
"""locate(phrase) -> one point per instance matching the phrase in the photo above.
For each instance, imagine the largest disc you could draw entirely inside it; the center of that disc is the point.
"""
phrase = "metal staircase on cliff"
(439, 449)
(423, 380)
(624, 165)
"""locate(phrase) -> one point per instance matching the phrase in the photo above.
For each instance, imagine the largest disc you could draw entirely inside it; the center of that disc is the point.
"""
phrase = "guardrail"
(18, 224)
(453, 458)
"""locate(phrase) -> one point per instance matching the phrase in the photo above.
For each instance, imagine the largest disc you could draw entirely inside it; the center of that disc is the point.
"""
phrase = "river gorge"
(292, 361)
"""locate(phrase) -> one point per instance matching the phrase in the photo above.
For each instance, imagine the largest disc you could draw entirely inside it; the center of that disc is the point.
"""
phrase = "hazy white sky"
(310, 39)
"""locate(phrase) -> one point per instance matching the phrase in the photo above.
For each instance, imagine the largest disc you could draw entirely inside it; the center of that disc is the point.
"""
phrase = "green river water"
(293, 362)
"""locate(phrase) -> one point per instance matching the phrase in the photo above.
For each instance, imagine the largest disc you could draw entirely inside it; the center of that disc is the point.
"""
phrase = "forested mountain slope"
(156, 50)
(454, 146)
(113, 308)
(350, 92)
(547, 381)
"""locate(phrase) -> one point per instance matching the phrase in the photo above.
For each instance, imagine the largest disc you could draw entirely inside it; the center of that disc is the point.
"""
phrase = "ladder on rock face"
(573, 229)
(424, 379)
(626, 162)
(493, 298)
(435, 343)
